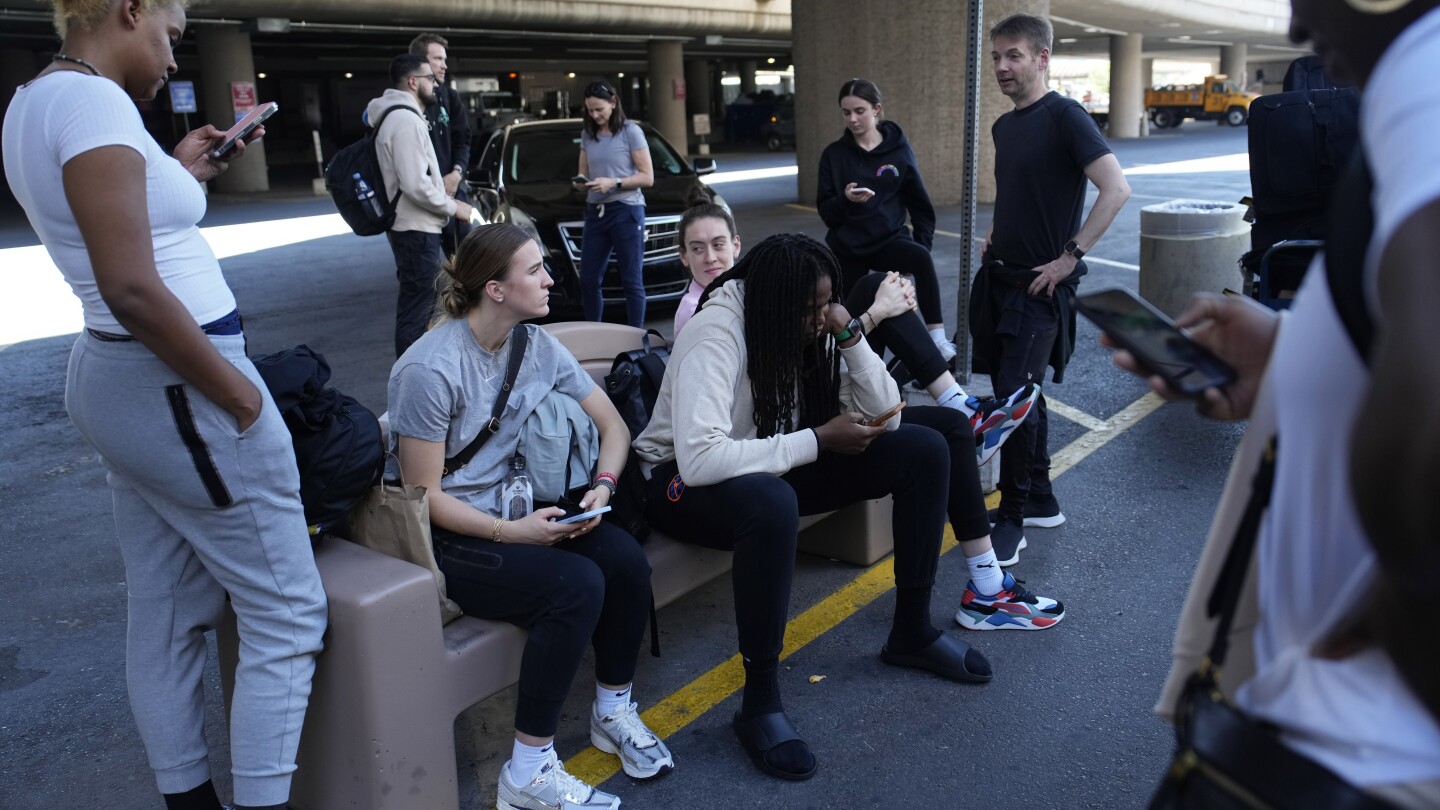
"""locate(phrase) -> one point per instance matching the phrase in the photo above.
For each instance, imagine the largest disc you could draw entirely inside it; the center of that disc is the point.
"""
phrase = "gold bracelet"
(495, 535)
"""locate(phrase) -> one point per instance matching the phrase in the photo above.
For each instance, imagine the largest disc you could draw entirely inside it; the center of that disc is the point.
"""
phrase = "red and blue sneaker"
(1013, 608)
(994, 420)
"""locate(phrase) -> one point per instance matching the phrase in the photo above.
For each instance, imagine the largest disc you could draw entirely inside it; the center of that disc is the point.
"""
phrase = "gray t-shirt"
(444, 387)
(609, 156)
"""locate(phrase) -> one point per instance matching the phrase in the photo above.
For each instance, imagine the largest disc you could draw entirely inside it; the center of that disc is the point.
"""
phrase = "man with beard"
(449, 132)
(408, 166)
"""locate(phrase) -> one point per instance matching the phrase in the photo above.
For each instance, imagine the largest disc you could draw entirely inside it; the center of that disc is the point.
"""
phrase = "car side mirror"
(704, 165)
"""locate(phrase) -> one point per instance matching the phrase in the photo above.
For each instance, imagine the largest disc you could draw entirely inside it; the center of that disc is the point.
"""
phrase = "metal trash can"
(1189, 246)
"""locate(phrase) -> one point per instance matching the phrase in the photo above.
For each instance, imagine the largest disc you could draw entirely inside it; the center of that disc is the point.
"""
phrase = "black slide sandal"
(761, 735)
(945, 656)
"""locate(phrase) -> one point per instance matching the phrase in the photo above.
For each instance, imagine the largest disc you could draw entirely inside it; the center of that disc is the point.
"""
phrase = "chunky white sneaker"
(551, 789)
(624, 734)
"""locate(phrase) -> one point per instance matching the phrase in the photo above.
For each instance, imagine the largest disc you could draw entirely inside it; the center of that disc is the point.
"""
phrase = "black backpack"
(337, 440)
(367, 215)
(633, 385)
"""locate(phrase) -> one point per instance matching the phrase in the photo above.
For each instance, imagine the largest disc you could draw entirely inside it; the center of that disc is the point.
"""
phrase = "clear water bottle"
(517, 499)
(366, 196)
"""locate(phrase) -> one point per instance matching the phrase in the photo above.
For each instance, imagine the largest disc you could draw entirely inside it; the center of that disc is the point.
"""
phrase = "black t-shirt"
(1041, 153)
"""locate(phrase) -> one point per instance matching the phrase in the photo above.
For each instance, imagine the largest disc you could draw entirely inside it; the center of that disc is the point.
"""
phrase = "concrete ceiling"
(1176, 29)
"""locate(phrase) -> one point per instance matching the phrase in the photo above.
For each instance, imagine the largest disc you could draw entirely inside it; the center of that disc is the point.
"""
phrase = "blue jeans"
(417, 261)
(621, 230)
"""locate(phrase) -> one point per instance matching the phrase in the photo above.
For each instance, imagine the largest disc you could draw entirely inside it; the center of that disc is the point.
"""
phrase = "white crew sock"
(937, 334)
(608, 701)
(527, 760)
(985, 573)
(955, 397)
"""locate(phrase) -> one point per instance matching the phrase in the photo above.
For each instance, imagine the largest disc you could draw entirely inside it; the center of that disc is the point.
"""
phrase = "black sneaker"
(1040, 513)
(1008, 537)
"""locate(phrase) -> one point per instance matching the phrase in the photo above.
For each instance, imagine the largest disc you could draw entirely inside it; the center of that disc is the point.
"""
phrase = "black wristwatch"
(1073, 248)
(852, 329)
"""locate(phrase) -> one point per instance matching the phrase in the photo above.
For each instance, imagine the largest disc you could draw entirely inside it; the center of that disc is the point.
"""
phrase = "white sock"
(937, 334)
(527, 760)
(955, 397)
(985, 573)
(608, 701)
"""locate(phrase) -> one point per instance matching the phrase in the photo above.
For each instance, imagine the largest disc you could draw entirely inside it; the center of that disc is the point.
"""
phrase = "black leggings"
(757, 516)
(903, 255)
(965, 504)
(595, 587)
(904, 334)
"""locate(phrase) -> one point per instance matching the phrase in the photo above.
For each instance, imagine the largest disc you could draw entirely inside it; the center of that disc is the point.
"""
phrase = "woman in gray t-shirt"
(571, 585)
(615, 159)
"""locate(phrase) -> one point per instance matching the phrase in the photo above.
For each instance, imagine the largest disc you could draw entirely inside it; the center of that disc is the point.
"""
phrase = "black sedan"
(523, 177)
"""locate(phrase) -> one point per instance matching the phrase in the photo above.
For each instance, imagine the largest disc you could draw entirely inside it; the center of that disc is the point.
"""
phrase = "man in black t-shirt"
(1045, 151)
(449, 132)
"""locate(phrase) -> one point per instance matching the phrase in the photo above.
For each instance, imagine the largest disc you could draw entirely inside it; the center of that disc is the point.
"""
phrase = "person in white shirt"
(409, 167)
(199, 461)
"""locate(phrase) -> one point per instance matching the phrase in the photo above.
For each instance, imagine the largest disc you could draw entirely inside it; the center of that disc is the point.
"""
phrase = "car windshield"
(552, 156)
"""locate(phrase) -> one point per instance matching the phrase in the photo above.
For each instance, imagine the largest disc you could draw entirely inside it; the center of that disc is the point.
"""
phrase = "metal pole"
(971, 153)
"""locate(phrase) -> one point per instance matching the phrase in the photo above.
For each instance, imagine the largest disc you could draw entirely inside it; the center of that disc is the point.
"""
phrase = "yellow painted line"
(801, 207)
(705, 692)
(1075, 415)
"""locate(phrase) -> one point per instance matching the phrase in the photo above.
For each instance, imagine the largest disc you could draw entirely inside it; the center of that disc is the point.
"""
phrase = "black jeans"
(621, 231)
(757, 516)
(417, 261)
(904, 335)
(595, 587)
(456, 228)
(1025, 458)
(965, 503)
(903, 255)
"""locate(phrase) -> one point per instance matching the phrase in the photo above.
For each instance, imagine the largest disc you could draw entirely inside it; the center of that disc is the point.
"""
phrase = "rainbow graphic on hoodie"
(888, 167)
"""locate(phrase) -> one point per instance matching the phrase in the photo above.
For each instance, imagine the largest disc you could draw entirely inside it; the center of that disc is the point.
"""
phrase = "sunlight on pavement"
(750, 174)
(35, 301)
(1238, 162)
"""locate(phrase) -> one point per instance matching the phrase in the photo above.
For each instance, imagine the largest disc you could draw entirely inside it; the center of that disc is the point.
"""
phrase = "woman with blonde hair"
(199, 461)
(569, 584)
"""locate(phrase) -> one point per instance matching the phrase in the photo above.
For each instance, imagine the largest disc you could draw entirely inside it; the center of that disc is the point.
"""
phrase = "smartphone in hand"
(580, 179)
(583, 516)
(885, 417)
(1154, 340)
(244, 127)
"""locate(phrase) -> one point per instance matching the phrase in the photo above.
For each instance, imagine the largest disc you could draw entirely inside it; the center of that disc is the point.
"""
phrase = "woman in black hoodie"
(869, 181)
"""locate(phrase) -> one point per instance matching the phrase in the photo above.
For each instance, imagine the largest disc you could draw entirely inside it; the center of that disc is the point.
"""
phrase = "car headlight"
(523, 221)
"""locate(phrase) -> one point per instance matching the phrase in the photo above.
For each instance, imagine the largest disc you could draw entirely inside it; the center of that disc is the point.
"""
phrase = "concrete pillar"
(667, 91)
(1147, 74)
(916, 61)
(697, 98)
(747, 76)
(225, 57)
(993, 103)
(1232, 63)
(1127, 92)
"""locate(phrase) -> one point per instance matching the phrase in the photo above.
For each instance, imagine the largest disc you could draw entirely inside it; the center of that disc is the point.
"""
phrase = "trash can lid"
(1192, 218)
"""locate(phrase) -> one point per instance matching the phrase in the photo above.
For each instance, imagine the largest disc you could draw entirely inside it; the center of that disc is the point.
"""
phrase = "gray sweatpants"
(202, 510)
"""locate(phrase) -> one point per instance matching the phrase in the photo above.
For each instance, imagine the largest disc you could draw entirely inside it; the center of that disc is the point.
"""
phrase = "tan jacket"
(408, 165)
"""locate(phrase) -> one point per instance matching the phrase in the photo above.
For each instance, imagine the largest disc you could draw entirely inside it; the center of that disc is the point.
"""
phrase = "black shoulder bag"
(519, 338)
(1225, 759)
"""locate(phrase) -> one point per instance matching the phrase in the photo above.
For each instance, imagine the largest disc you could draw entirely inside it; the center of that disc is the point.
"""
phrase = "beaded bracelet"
(605, 476)
(495, 535)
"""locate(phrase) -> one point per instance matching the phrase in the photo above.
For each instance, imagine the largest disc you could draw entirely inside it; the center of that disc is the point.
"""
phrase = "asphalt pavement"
(1066, 723)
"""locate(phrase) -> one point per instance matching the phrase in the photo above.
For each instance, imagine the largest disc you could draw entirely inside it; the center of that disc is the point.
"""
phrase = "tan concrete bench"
(380, 731)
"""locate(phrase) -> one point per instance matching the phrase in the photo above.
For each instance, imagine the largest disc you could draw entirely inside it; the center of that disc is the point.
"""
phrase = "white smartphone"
(244, 127)
(583, 516)
(862, 190)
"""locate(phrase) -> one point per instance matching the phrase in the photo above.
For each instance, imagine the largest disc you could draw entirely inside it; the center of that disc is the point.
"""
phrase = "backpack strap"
(375, 130)
(1352, 224)
(519, 337)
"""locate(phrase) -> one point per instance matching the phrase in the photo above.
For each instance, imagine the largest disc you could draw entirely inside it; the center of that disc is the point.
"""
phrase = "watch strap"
(1073, 248)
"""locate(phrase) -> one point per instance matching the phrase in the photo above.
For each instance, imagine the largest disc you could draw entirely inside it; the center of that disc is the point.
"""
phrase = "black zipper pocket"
(199, 453)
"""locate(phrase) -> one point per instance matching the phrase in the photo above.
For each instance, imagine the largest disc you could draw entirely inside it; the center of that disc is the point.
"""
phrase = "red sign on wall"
(242, 98)
(678, 88)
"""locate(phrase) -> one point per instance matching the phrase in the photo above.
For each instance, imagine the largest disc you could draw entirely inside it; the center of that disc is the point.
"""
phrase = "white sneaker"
(624, 734)
(551, 789)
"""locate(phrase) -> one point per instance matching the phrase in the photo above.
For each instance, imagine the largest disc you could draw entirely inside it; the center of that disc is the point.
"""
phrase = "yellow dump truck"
(1216, 99)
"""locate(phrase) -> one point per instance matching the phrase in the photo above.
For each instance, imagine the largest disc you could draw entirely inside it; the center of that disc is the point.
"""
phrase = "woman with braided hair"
(759, 422)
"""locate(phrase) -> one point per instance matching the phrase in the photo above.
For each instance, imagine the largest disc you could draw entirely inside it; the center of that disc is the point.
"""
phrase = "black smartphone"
(580, 178)
(244, 127)
(1156, 342)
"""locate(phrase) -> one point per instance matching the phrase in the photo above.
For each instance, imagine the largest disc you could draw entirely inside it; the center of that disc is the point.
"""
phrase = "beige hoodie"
(705, 415)
(408, 165)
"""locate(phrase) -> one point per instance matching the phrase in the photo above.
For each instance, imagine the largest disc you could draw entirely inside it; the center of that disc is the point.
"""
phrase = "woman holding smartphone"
(758, 423)
(572, 585)
(199, 461)
(614, 165)
(869, 182)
